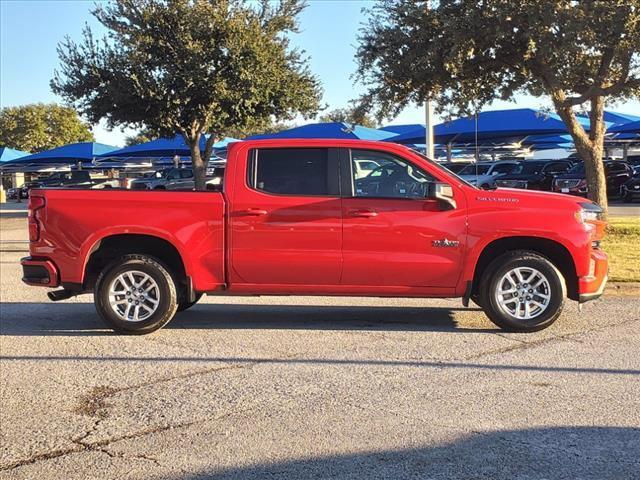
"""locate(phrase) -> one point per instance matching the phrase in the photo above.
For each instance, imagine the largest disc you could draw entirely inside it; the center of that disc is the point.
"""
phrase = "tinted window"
(527, 168)
(557, 167)
(392, 178)
(186, 173)
(294, 171)
(615, 167)
(473, 169)
(503, 168)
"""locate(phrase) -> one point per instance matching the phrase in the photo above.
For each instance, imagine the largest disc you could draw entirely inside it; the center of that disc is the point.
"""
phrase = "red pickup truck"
(318, 217)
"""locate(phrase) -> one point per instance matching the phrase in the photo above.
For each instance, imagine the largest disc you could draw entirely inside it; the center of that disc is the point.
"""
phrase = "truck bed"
(72, 222)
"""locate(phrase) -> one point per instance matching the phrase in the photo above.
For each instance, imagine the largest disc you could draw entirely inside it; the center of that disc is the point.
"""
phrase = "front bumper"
(592, 286)
(39, 272)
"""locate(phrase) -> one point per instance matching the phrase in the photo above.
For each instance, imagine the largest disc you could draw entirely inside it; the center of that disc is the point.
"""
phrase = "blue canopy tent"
(500, 126)
(328, 130)
(631, 127)
(399, 129)
(71, 154)
(617, 118)
(7, 154)
(164, 147)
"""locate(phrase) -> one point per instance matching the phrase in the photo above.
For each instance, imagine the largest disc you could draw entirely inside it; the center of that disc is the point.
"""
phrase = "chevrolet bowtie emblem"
(446, 243)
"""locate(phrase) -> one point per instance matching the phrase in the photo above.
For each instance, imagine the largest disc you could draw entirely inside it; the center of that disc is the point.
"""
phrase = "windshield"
(577, 168)
(471, 169)
(527, 168)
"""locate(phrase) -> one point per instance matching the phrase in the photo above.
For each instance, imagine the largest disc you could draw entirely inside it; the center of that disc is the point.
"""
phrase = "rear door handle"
(363, 213)
(254, 211)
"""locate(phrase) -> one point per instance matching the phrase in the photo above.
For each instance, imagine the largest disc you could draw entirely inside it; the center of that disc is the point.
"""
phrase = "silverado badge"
(446, 243)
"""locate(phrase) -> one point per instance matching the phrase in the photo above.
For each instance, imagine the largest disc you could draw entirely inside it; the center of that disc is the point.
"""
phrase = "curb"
(622, 289)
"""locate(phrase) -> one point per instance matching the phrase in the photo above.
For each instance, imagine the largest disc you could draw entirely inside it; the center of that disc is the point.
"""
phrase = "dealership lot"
(313, 387)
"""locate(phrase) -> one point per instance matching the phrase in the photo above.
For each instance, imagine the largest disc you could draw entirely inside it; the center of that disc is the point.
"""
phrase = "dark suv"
(534, 174)
(574, 182)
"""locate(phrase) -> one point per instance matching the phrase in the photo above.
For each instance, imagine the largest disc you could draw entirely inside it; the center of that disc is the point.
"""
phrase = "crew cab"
(293, 218)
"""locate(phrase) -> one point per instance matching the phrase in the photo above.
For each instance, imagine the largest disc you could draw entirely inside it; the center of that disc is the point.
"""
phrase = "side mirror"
(443, 194)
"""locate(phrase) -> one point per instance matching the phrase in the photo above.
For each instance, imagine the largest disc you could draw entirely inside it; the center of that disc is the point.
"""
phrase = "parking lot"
(313, 387)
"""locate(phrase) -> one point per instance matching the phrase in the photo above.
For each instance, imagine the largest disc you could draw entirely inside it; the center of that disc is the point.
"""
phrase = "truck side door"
(393, 234)
(286, 218)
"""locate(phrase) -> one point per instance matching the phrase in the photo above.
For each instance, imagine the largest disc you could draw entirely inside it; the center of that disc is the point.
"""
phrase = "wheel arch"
(554, 251)
(106, 249)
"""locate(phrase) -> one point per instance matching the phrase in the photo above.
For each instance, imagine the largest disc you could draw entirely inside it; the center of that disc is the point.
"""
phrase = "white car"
(483, 174)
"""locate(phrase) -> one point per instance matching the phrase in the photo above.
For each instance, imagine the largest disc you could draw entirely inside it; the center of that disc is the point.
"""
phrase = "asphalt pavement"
(313, 387)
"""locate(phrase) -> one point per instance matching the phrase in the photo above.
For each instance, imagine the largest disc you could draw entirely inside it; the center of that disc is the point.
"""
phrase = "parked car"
(574, 181)
(455, 167)
(165, 179)
(630, 190)
(292, 220)
(70, 179)
(534, 174)
(483, 174)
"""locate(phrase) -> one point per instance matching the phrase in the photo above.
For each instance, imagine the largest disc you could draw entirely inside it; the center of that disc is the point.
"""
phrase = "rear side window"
(295, 171)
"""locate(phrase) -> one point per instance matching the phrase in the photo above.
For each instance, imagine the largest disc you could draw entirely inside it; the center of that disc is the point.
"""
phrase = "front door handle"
(254, 212)
(363, 213)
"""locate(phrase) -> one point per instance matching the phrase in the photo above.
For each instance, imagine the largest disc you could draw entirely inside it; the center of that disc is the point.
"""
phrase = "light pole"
(428, 120)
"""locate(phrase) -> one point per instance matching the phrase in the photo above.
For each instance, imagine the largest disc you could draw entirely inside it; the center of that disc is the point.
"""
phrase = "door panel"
(393, 236)
(278, 235)
(396, 246)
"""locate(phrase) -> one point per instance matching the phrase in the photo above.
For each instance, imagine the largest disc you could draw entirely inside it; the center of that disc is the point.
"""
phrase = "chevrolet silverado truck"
(293, 218)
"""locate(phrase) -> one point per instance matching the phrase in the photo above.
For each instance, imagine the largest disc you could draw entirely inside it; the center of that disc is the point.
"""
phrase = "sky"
(31, 29)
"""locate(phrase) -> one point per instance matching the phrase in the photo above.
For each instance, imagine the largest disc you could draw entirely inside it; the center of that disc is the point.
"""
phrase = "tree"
(189, 67)
(467, 53)
(354, 114)
(38, 127)
(143, 136)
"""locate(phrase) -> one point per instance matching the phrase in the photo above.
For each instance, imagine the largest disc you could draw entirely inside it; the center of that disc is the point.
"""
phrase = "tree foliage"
(467, 53)
(38, 127)
(143, 136)
(353, 114)
(189, 66)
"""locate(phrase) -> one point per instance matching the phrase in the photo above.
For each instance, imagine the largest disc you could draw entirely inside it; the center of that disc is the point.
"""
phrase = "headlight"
(590, 215)
(590, 212)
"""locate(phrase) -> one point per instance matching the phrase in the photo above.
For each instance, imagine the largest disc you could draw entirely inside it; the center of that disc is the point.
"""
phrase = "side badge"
(446, 243)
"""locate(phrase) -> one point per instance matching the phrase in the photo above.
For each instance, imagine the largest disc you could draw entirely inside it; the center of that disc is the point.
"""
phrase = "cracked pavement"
(309, 387)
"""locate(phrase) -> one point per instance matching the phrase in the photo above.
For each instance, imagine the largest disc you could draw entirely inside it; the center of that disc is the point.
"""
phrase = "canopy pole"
(428, 121)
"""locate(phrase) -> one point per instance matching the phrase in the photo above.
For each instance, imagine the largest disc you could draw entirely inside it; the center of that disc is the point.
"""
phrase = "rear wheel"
(136, 294)
(522, 291)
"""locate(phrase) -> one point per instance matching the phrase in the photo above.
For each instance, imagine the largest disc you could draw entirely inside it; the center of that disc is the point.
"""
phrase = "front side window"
(294, 171)
(391, 178)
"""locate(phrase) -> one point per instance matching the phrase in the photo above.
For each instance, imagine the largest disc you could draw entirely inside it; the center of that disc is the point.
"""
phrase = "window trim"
(333, 168)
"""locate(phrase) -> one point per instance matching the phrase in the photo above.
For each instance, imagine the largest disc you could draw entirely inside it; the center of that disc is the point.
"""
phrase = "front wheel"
(136, 294)
(522, 291)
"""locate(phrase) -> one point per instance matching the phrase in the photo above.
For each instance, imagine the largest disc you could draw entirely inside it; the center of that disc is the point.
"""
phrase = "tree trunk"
(198, 165)
(589, 147)
(199, 159)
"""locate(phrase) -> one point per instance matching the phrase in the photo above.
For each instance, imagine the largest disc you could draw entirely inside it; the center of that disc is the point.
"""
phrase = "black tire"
(185, 304)
(166, 294)
(495, 272)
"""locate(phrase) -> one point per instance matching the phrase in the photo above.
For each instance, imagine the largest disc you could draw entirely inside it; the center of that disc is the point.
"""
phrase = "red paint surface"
(254, 242)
